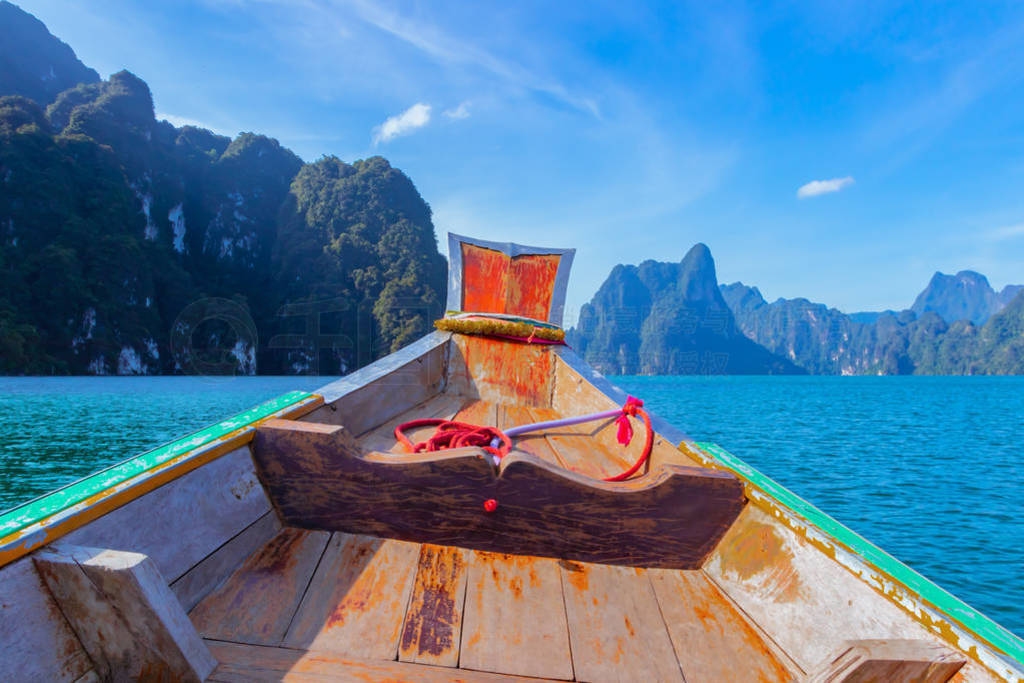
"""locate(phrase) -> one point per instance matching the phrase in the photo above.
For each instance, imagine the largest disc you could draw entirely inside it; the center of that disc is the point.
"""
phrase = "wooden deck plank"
(358, 597)
(244, 663)
(444, 406)
(575, 395)
(514, 416)
(433, 622)
(578, 449)
(478, 412)
(616, 626)
(713, 642)
(215, 568)
(514, 620)
(256, 603)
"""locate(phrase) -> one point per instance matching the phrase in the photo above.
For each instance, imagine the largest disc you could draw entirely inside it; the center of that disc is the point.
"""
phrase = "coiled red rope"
(452, 434)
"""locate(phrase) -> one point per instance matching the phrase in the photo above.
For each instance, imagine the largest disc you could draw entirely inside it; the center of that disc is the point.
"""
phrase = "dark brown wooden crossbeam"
(317, 478)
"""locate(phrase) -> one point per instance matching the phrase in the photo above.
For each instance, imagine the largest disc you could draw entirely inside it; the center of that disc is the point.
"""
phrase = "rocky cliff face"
(824, 340)
(668, 318)
(33, 63)
(130, 246)
(964, 296)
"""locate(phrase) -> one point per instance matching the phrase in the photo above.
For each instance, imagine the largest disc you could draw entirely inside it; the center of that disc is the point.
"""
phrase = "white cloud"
(416, 116)
(816, 187)
(460, 112)
(1008, 232)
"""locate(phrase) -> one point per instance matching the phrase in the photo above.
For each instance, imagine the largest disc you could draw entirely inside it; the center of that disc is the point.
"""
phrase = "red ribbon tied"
(625, 426)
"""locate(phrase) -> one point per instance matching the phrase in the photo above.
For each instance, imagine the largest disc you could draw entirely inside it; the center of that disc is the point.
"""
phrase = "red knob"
(490, 505)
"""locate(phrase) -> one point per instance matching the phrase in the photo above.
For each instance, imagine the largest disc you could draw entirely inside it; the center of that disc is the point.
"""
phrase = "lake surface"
(927, 468)
(930, 469)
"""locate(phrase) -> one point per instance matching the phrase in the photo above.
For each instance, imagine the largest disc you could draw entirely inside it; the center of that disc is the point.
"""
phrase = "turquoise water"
(54, 430)
(928, 468)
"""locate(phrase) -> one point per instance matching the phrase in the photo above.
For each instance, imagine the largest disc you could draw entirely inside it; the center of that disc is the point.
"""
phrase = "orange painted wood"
(514, 619)
(499, 371)
(531, 283)
(492, 282)
(433, 622)
(616, 626)
(484, 279)
(241, 663)
(712, 641)
(256, 603)
(357, 598)
(671, 517)
(478, 413)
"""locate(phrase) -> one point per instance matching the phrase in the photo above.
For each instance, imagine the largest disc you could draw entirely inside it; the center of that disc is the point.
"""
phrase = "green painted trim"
(52, 503)
(949, 605)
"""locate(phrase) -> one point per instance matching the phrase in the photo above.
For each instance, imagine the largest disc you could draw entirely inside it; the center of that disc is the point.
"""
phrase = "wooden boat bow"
(317, 478)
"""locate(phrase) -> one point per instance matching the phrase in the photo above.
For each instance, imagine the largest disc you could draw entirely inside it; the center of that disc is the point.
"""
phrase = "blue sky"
(629, 130)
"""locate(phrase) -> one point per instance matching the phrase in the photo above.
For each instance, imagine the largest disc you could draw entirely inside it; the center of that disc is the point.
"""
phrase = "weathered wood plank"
(808, 603)
(124, 614)
(866, 661)
(500, 372)
(580, 451)
(257, 602)
(433, 622)
(89, 676)
(514, 618)
(713, 642)
(31, 623)
(579, 389)
(616, 627)
(386, 388)
(671, 517)
(515, 416)
(382, 438)
(214, 503)
(244, 663)
(357, 598)
(216, 567)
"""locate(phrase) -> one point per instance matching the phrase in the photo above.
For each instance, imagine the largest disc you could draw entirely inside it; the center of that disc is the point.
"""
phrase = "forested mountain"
(824, 340)
(130, 246)
(673, 318)
(668, 318)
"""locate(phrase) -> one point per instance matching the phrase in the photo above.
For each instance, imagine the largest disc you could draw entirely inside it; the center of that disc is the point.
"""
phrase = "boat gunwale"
(46, 518)
(982, 639)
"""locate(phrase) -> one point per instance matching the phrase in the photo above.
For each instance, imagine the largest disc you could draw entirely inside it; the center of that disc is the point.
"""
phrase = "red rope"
(633, 407)
(451, 434)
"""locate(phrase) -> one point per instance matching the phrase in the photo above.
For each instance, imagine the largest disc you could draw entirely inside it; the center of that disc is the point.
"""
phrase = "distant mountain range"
(964, 296)
(644, 317)
(668, 318)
